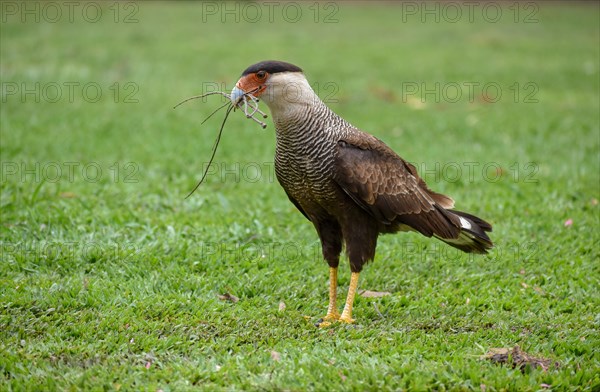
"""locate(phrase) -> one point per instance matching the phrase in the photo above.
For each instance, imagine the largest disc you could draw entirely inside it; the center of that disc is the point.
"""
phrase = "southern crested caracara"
(349, 184)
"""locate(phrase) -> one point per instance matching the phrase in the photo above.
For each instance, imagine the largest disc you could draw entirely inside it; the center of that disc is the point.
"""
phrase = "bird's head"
(277, 83)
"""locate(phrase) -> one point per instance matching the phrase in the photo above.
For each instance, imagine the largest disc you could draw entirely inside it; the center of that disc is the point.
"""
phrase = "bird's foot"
(322, 323)
(329, 319)
(346, 316)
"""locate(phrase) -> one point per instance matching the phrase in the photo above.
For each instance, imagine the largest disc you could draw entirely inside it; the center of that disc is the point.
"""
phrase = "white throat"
(288, 92)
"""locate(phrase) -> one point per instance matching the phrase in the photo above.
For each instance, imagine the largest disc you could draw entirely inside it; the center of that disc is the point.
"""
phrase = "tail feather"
(472, 237)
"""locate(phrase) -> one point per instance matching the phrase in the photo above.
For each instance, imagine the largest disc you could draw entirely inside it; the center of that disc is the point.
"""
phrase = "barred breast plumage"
(304, 155)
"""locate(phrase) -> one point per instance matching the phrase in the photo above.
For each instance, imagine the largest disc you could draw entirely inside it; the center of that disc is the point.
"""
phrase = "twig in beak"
(204, 95)
(246, 97)
(219, 108)
(250, 111)
(214, 150)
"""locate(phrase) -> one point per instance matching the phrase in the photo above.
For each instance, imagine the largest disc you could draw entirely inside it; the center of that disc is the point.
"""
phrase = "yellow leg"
(347, 313)
(332, 312)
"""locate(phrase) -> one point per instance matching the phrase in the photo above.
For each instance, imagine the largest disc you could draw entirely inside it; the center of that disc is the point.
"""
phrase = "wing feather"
(389, 188)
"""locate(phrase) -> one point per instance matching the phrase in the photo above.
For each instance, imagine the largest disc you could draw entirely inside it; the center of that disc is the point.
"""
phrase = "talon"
(323, 324)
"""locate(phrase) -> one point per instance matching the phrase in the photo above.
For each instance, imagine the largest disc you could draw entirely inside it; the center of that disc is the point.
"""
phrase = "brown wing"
(389, 188)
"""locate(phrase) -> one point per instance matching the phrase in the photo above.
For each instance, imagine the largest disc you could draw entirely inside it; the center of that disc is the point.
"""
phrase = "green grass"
(110, 280)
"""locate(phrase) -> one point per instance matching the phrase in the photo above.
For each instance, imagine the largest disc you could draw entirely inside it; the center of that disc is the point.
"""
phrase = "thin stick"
(254, 108)
(257, 109)
(250, 103)
(210, 115)
(214, 150)
(202, 96)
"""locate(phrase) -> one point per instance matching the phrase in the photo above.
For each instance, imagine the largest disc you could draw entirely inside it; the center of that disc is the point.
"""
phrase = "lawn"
(111, 280)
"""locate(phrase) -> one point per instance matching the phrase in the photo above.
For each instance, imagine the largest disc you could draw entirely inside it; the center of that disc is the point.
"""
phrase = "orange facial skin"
(253, 83)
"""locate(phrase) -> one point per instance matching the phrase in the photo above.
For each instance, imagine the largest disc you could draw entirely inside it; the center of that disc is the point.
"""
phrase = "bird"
(349, 184)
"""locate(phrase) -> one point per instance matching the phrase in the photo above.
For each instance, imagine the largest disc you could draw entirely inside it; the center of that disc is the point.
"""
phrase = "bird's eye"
(261, 74)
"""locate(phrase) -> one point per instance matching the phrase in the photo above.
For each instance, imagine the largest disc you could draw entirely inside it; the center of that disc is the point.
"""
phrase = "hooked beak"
(236, 95)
